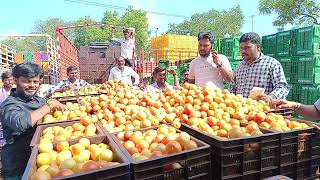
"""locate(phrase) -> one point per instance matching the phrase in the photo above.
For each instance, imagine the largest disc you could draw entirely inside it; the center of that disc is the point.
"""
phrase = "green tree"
(23, 44)
(219, 22)
(292, 11)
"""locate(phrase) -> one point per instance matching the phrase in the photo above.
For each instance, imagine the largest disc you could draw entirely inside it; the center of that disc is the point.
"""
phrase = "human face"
(126, 35)
(28, 86)
(250, 51)
(160, 77)
(73, 75)
(186, 75)
(8, 82)
(204, 47)
(121, 62)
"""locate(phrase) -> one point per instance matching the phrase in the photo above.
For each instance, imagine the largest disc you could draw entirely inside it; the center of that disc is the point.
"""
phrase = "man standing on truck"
(127, 46)
(19, 115)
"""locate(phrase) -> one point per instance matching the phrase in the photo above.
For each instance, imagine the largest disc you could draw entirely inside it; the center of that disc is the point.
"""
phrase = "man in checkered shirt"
(71, 83)
(258, 70)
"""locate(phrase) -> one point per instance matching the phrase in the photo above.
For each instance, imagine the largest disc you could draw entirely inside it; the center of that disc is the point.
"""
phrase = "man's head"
(126, 33)
(72, 72)
(250, 46)
(27, 77)
(186, 75)
(120, 62)
(7, 79)
(205, 40)
(159, 74)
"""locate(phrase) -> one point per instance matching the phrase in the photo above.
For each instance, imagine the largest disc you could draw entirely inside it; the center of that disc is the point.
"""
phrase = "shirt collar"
(155, 84)
(23, 98)
(257, 60)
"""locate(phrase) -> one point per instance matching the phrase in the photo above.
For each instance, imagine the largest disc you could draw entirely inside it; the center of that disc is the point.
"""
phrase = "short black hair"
(158, 69)
(71, 68)
(206, 35)
(250, 37)
(28, 70)
(6, 75)
(185, 70)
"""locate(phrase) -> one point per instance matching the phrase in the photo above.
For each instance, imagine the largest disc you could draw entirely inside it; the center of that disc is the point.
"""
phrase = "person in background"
(127, 46)
(258, 70)
(19, 114)
(72, 83)
(124, 73)
(8, 82)
(210, 69)
(160, 77)
(185, 76)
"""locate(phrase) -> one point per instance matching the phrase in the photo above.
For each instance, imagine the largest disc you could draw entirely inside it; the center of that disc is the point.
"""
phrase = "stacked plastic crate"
(96, 61)
(174, 47)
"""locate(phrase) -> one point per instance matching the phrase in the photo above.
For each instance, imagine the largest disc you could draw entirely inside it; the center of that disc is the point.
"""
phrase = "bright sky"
(18, 16)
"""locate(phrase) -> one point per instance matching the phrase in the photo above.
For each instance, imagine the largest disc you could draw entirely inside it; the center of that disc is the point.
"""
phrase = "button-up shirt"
(266, 72)
(3, 95)
(79, 83)
(127, 47)
(17, 126)
(125, 75)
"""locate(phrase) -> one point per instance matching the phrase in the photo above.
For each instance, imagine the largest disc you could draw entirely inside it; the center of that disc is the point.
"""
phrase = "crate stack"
(96, 61)
(174, 47)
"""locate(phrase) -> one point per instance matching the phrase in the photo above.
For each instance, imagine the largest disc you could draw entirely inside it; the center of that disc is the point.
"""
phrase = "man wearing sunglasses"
(210, 69)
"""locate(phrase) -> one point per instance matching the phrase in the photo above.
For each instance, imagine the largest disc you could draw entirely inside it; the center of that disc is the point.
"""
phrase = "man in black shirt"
(19, 114)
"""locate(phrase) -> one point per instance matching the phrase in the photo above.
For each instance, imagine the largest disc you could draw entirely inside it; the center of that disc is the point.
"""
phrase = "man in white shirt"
(160, 76)
(127, 46)
(123, 72)
(210, 69)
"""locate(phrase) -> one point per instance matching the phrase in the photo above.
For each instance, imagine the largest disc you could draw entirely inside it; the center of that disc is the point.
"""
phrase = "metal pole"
(252, 23)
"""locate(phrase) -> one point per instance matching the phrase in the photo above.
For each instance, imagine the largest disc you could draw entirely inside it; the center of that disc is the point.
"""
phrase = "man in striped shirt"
(258, 70)
(210, 69)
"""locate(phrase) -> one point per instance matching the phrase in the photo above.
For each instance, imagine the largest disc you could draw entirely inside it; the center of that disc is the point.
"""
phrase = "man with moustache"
(258, 70)
(210, 69)
(19, 114)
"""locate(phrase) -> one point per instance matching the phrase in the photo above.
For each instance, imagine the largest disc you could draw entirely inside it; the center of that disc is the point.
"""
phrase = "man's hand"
(284, 104)
(55, 105)
(172, 71)
(263, 97)
(215, 58)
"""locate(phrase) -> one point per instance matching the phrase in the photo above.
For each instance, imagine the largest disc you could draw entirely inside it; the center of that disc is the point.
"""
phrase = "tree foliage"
(292, 11)
(218, 22)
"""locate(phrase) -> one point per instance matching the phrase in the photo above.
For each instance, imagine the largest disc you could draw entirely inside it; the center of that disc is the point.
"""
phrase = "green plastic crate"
(170, 79)
(217, 44)
(27, 57)
(283, 43)
(225, 85)
(269, 45)
(236, 56)
(309, 94)
(306, 69)
(163, 63)
(235, 64)
(307, 41)
(228, 46)
(286, 63)
(295, 92)
(289, 97)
